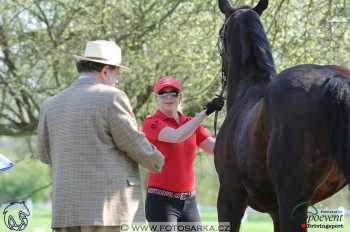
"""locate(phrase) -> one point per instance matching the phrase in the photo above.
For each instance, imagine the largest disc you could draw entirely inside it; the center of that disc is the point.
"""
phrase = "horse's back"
(297, 92)
(300, 78)
(305, 77)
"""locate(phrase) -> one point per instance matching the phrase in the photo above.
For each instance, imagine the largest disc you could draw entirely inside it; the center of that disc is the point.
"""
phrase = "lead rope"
(223, 86)
(223, 76)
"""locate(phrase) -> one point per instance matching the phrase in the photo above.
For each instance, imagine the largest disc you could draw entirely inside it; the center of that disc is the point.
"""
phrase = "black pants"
(165, 209)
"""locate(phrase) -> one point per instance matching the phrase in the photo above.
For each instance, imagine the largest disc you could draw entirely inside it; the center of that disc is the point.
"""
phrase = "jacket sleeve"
(127, 137)
(43, 147)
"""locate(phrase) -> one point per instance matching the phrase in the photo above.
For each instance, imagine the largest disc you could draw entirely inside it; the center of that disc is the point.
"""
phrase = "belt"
(177, 195)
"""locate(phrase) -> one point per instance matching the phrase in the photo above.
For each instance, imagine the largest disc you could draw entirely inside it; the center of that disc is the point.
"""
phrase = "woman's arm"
(208, 145)
(171, 135)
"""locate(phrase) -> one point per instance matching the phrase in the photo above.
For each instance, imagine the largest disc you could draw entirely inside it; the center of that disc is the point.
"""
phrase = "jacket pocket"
(133, 181)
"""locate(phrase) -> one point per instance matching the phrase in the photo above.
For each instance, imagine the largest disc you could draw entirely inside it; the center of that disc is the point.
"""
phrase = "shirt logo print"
(154, 125)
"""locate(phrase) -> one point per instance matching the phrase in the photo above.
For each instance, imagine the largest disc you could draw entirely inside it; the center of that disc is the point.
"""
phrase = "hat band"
(103, 59)
(96, 58)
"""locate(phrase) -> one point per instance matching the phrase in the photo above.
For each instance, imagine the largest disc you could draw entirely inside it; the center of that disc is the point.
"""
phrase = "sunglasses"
(168, 93)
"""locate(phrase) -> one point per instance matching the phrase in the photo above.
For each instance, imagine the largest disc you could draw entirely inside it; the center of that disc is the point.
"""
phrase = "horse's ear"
(262, 5)
(225, 6)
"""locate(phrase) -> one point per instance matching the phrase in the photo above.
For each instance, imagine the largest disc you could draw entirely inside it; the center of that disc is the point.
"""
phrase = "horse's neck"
(244, 91)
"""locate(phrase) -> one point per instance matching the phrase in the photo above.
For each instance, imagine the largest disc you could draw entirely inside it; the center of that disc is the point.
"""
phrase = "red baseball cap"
(167, 81)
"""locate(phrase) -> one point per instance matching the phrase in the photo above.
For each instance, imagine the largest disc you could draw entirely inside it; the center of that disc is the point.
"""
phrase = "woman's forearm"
(180, 134)
(208, 145)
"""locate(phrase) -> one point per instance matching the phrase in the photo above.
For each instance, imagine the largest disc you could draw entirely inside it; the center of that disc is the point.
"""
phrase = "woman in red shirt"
(171, 193)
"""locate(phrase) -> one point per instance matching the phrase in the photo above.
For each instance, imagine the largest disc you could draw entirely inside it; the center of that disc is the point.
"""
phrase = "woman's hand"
(214, 105)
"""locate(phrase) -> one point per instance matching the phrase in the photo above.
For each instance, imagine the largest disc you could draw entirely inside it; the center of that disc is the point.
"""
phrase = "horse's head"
(243, 44)
(227, 9)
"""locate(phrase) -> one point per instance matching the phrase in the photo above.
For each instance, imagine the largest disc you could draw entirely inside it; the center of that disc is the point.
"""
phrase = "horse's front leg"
(231, 205)
(293, 214)
(276, 220)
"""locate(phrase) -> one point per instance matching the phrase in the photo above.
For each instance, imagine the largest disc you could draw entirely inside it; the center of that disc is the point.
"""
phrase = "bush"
(20, 182)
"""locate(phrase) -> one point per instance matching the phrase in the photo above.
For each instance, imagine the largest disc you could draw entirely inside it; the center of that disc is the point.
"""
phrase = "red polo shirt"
(177, 174)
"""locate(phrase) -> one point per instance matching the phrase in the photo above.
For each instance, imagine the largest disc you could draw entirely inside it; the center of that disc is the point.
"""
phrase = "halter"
(222, 51)
(221, 44)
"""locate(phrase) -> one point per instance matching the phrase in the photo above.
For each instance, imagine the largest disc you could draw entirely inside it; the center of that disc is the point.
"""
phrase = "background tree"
(159, 37)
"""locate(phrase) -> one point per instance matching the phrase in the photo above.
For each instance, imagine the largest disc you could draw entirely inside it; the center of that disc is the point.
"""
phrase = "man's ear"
(103, 72)
(104, 69)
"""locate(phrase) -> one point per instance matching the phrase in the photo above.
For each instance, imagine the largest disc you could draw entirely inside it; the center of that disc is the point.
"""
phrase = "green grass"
(257, 222)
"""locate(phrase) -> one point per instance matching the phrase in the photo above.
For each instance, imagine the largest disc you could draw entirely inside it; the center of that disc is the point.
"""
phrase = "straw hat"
(102, 51)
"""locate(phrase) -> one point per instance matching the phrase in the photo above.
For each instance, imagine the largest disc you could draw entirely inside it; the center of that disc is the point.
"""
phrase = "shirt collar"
(86, 78)
(159, 114)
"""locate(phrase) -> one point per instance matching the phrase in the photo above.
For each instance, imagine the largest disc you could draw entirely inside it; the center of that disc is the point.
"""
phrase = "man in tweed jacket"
(88, 135)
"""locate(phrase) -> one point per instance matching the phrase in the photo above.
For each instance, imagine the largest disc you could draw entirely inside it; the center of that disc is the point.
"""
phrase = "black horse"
(284, 144)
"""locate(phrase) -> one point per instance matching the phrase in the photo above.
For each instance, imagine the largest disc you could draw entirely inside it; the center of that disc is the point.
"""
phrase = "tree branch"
(151, 26)
(142, 98)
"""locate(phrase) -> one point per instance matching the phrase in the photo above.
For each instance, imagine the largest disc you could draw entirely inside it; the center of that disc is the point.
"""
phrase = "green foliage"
(308, 32)
(158, 37)
(25, 177)
(39, 38)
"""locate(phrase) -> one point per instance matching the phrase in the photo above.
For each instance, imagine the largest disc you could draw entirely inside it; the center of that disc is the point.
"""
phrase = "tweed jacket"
(89, 136)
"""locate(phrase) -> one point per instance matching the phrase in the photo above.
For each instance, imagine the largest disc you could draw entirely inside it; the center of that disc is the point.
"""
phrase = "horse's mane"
(250, 48)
